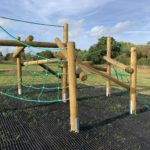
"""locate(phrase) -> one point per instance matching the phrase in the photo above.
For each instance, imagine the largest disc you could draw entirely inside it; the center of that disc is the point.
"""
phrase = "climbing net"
(120, 74)
(37, 85)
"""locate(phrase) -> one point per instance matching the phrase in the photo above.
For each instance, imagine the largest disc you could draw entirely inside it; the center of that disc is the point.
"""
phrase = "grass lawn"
(143, 79)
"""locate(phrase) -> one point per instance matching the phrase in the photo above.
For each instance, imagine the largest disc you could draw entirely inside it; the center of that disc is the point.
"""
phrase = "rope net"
(124, 77)
(38, 85)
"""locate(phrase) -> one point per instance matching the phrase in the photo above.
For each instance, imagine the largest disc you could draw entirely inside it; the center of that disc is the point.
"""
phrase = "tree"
(46, 54)
(9, 56)
(148, 43)
(98, 50)
(83, 55)
(1, 57)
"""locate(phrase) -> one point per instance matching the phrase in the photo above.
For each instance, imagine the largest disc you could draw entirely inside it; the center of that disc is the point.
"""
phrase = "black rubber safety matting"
(104, 124)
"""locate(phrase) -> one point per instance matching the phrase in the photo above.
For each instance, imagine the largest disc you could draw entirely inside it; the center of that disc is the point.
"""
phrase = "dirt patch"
(147, 71)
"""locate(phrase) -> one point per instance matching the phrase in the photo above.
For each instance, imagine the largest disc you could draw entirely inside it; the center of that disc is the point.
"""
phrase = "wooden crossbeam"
(118, 64)
(31, 43)
(37, 62)
(63, 53)
(50, 70)
(93, 70)
(20, 49)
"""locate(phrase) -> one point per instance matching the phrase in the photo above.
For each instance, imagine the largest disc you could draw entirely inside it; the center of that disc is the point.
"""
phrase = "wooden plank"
(118, 64)
(104, 75)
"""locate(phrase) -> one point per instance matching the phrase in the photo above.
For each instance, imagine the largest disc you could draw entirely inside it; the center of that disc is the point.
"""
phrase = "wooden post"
(17, 55)
(133, 78)
(65, 33)
(64, 81)
(64, 66)
(108, 66)
(74, 121)
(19, 72)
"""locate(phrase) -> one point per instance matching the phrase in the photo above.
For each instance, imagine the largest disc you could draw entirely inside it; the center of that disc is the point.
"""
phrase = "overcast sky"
(125, 20)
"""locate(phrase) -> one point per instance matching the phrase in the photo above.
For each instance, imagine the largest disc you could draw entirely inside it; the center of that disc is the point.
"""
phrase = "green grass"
(36, 77)
(143, 80)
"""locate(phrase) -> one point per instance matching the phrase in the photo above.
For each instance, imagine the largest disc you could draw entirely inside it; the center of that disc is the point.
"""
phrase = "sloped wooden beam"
(104, 75)
(100, 68)
(21, 49)
(50, 70)
(62, 54)
(118, 64)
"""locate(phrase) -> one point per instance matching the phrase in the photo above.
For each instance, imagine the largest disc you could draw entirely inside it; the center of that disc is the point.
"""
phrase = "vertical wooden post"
(133, 78)
(74, 121)
(64, 66)
(65, 33)
(64, 81)
(108, 66)
(19, 72)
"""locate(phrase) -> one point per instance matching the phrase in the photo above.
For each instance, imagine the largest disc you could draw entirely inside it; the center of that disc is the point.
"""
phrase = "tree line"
(120, 52)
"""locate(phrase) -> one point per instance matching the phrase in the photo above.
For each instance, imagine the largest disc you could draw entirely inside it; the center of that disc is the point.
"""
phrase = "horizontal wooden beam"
(93, 70)
(34, 43)
(118, 64)
(50, 70)
(37, 62)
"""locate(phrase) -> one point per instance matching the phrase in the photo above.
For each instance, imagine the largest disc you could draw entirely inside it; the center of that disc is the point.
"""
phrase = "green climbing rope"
(120, 75)
(39, 88)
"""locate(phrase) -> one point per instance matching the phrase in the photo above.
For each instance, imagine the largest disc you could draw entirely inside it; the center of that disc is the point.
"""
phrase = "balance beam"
(93, 70)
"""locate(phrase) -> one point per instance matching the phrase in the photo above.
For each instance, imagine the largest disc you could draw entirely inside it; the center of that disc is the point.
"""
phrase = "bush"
(84, 55)
(1, 58)
(98, 50)
(123, 59)
(144, 61)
